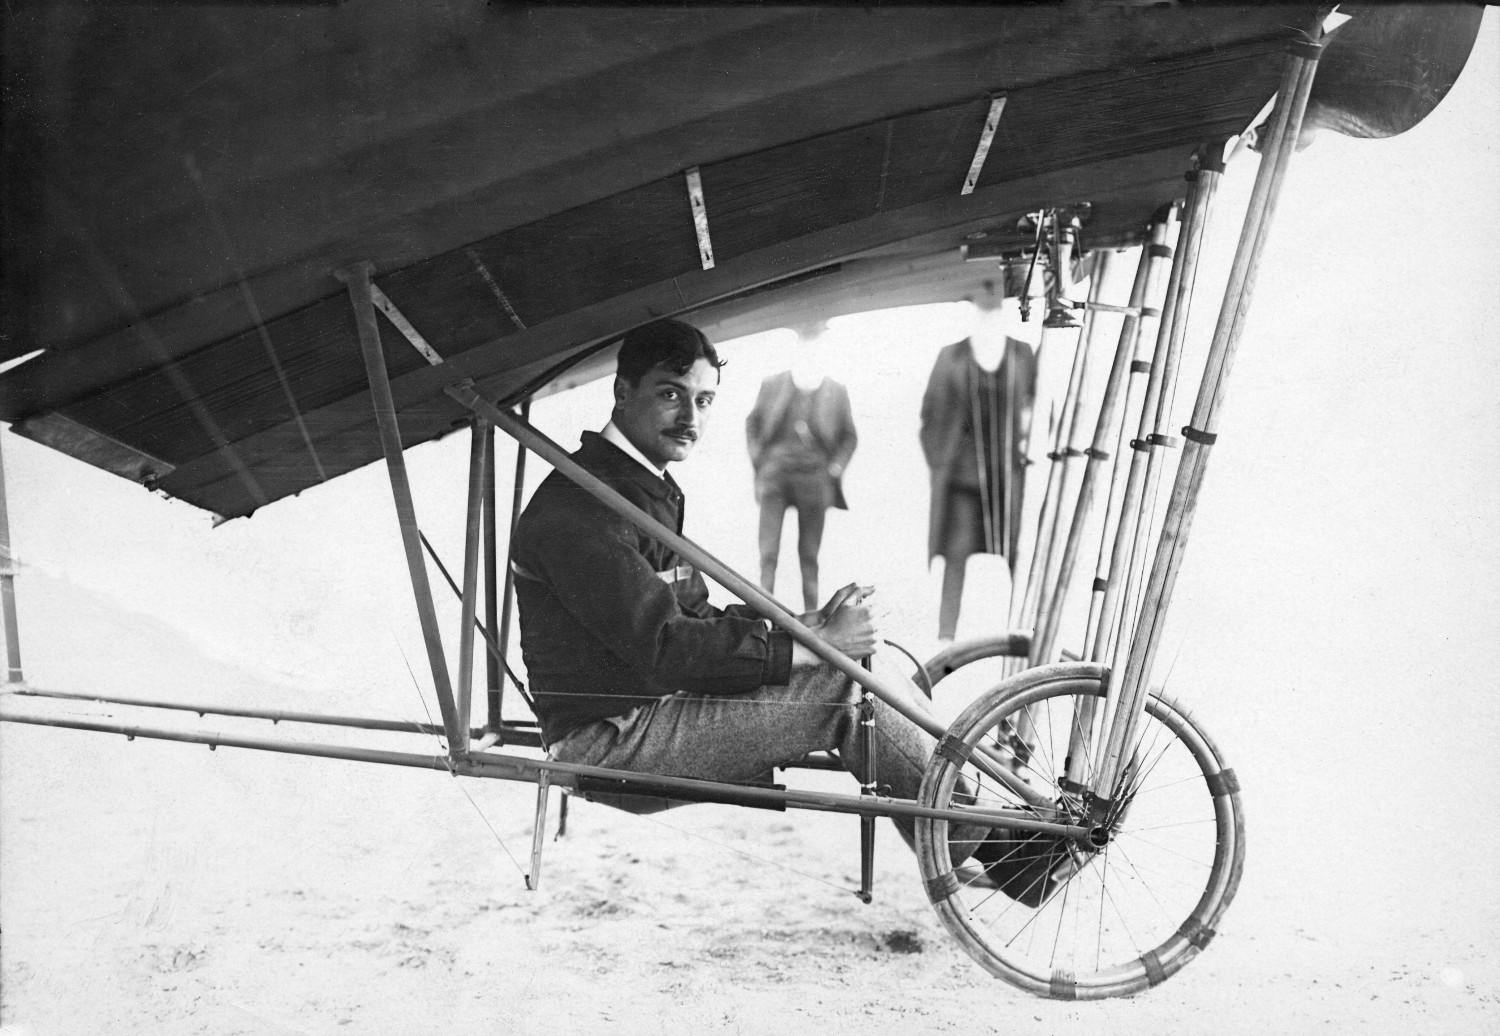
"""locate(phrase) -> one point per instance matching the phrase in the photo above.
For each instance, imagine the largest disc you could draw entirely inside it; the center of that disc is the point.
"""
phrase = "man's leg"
(810, 521)
(962, 536)
(772, 511)
(952, 596)
(743, 737)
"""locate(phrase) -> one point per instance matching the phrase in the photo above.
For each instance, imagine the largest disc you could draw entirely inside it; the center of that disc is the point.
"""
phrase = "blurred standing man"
(976, 415)
(801, 437)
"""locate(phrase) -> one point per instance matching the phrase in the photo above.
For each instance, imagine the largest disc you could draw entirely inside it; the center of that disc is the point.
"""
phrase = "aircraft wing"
(183, 181)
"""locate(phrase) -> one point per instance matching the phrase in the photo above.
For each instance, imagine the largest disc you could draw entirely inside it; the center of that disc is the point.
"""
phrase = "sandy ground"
(162, 888)
(159, 888)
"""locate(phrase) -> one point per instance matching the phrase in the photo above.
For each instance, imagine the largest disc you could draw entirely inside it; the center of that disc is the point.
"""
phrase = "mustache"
(683, 431)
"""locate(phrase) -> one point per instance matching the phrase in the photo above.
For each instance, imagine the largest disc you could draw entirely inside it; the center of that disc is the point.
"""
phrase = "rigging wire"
(494, 649)
(486, 820)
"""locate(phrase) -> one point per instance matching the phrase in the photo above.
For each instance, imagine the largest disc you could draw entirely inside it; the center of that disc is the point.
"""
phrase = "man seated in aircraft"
(630, 665)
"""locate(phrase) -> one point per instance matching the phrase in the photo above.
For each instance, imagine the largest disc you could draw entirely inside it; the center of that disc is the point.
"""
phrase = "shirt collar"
(615, 437)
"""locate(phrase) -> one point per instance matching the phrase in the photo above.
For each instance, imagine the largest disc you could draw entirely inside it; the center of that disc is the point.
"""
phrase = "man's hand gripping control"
(846, 622)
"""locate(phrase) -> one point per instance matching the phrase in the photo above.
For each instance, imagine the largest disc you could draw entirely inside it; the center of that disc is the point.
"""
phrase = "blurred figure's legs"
(963, 534)
(772, 511)
(952, 596)
(810, 521)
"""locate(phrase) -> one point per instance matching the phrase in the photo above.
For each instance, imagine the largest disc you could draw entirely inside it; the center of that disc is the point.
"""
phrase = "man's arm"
(848, 438)
(755, 430)
(592, 564)
(934, 410)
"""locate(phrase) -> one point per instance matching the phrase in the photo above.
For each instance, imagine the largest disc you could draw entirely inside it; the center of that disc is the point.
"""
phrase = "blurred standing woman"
(801, 437)
(976, 414)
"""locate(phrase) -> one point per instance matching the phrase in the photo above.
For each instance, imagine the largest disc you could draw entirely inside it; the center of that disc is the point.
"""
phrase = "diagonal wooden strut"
(492, 668)
(357, 278)
(478, 451)
(501, 623)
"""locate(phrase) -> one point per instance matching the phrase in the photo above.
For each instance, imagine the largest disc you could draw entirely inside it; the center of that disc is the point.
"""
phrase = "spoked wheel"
(1109, 914)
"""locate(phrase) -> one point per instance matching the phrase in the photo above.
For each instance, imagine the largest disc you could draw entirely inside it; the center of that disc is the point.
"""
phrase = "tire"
(955, 656)
(1117, 915)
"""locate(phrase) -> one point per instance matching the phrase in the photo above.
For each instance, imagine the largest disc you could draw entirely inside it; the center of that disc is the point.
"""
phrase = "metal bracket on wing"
(986, 138)
(700, 217)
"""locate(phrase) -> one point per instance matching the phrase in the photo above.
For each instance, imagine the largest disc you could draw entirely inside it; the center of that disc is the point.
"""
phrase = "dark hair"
(663, 343)
(990, 293)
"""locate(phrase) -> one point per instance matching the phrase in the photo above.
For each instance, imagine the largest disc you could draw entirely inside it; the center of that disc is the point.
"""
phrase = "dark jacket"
(611, 618)
(830, 420)
(947, 424)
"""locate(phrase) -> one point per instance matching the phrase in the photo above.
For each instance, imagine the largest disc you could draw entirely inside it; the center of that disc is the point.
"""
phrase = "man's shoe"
(1028, 866)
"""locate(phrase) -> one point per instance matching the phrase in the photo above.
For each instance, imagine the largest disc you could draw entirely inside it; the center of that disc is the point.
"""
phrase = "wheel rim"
(1011, 646)
(1133, 912)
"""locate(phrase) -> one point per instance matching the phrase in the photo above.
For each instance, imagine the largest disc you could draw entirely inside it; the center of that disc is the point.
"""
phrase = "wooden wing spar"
(182, 182)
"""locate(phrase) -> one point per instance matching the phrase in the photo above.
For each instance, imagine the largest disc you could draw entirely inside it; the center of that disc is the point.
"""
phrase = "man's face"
(665, 414)
(996, 314)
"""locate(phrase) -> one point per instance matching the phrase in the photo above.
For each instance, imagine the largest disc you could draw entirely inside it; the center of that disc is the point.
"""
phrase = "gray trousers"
(742, 737)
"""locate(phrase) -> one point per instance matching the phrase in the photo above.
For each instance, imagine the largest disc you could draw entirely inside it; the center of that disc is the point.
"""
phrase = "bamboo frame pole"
(1061, 454)
(478, 449)
(1115, 518)
(493, 674)
(215, 739)
(832, 802)
(356, 278)
(1205, 187)
(1049, 618)
(274, 715)
(869, 785)
(1127, 571)
(1116, 500)
(1015, 474)
(1118, 506)
(1064, 457)
(13, 673)
(499, 766)
(1130, 570)
(1147, 448)
(508, 591)
(1147, 454)
(1041, 594)
(1134, 659)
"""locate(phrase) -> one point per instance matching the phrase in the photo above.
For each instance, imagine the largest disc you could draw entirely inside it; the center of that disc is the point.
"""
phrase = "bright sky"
(1359, 472)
